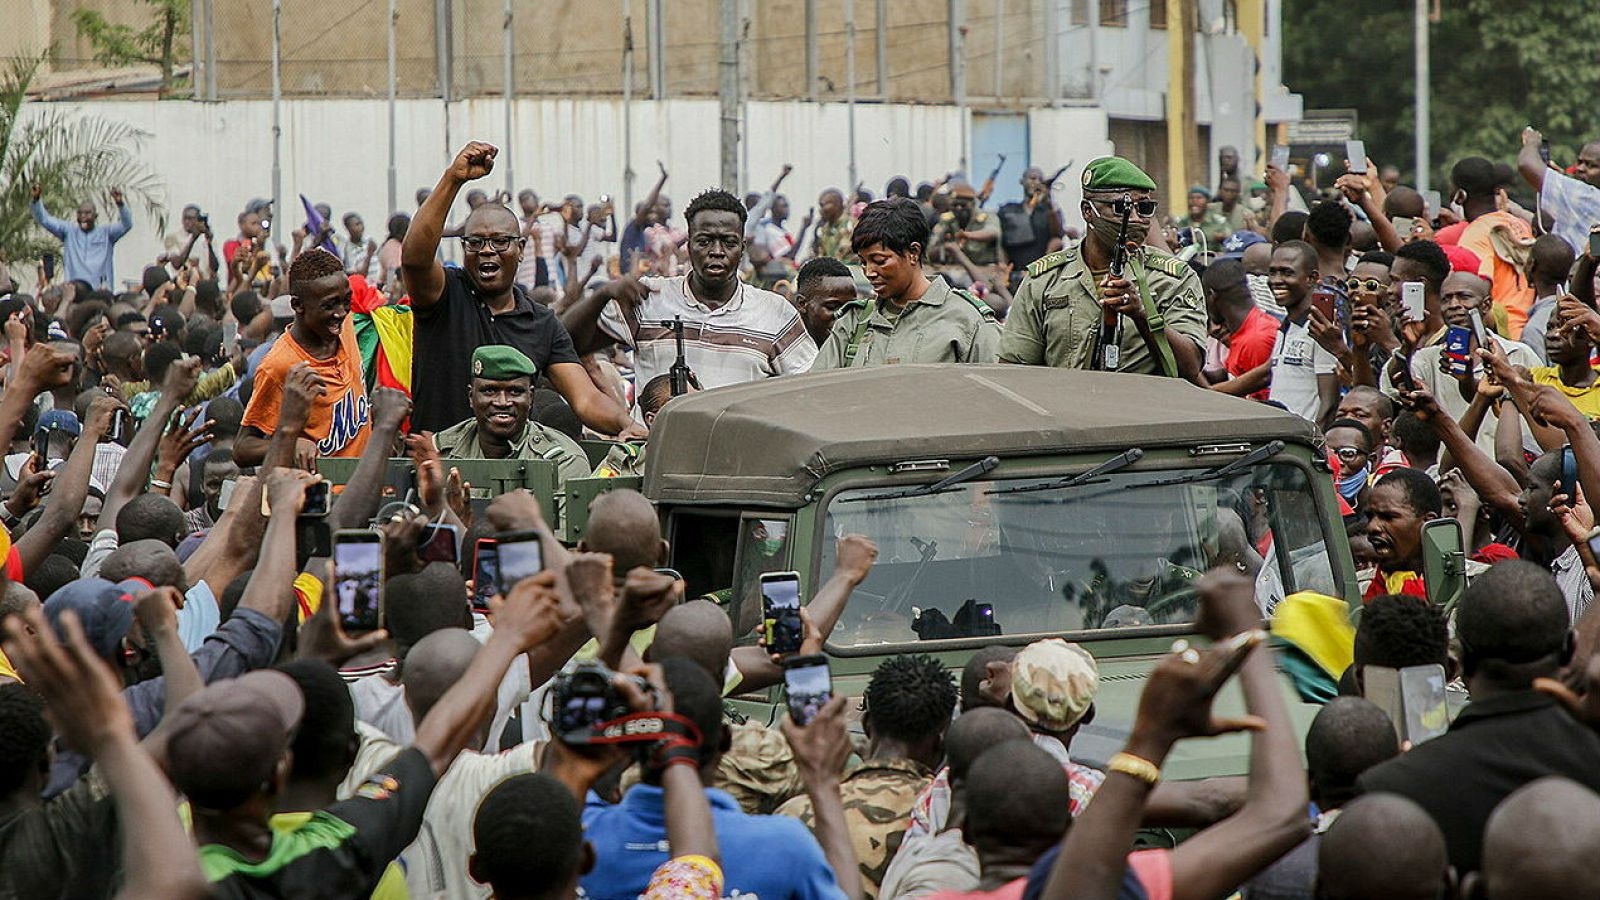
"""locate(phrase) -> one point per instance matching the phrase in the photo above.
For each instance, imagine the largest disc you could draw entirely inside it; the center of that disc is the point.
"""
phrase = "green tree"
(72, 157)
(158, 43)
(1496, 67)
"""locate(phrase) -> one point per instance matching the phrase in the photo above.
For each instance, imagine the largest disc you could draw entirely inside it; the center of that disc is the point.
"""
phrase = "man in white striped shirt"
(733, 332)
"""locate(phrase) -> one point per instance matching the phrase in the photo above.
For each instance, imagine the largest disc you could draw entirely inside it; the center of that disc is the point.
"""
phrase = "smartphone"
(808, 685)
(1544, 150)
(1458, 349)
(485, 573)
(1413, 697)
(780, 612)
(1323, 302)
(1594, 242)
(1403, 225)
(518, 555)
(1413, 303)
(48, 262)
(230, 337)
(41, 445)
(317, 494)
(1478, 330)
(358, 579)
(226, 494)
(440, 543)
(119, 427)
(1402, 378)
(1430, 200)
(1569, 475)
(1355, 157)
(1280, 157)
(667, 570)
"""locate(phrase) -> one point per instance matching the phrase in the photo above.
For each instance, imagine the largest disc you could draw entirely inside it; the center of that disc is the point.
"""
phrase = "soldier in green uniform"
(911, 318)
(1056, 315)
(626, 458)
(501, 395)
(1204, 218)
(976, 232)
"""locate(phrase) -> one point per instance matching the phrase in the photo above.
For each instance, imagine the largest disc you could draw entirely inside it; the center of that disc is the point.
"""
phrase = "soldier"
(626, 458)
(912, 319)
(1209, 227)
(976, 232)
(501, 396)
(1055, 319)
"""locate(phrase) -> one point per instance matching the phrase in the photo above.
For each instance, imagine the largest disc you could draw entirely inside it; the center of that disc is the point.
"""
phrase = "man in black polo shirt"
(460, 310)
(1514, 628)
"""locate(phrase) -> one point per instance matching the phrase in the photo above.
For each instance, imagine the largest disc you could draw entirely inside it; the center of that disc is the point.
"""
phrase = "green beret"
(497, 362)
(1111, 173)
(1200, 189)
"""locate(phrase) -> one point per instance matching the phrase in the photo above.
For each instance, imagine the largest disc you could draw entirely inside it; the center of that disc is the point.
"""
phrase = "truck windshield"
(1115, 552)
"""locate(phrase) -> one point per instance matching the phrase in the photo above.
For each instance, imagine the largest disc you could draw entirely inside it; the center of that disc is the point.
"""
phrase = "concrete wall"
(219, 155)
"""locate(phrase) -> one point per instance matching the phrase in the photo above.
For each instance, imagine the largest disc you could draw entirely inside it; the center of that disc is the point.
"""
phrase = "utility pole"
(728, 93)
(813, 92)
(507, 150)
(1424, 94)
(1182, 146)
(627, 107)
(850, 91)
(277, 115)
(394, 185)
(958, 71)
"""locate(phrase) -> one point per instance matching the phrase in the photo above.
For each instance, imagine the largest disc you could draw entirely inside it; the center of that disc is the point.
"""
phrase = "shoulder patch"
(854, 305)
(947, 217)
(1170, 265)
(983, 308)
(1047, 262)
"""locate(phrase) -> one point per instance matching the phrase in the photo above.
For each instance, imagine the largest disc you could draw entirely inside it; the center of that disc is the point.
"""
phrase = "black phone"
(808, 685)
(440, 543)
(1569, 475)
(1544, 150)
(1402, 377)
(485, 573)
(317, 494)
(518, 555)
(780, 612)
(1594, 242)
(119, 428)
(48, 261)
(358, 579)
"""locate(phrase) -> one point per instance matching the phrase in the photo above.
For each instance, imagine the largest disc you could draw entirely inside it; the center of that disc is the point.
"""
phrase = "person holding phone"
(1301, 373)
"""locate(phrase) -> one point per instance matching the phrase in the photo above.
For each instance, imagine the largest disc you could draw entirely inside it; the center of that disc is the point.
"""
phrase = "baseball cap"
(1462, 259)
(1053, 683)
(1234, 244)
(62, 420)
(259, 204)
(104, 608)
(224, 741)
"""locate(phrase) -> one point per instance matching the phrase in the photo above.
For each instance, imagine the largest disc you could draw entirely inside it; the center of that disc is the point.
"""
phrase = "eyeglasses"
(1120, 206)
(499, 243)
(1349, 454)
(1370, 285)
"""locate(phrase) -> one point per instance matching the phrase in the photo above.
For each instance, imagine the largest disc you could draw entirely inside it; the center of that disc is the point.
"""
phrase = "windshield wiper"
(1260, 454)
(981, 467)
(1121, 461)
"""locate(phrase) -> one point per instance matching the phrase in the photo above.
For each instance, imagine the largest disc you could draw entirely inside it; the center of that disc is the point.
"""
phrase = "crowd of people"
(182, 714)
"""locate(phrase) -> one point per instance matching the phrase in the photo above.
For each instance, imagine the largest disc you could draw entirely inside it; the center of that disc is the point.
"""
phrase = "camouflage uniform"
(944, 325)
(759, 769)
(878, 796)
(1055, 317)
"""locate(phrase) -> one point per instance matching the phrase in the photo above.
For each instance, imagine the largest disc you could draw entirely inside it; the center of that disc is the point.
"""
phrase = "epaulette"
(1047, 262)
(978, 218)
(1170, 265)
(983, 308)
(947, 217)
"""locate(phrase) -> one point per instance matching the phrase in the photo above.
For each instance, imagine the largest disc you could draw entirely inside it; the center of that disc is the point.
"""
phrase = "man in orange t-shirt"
(1477, 186)
(323, 340)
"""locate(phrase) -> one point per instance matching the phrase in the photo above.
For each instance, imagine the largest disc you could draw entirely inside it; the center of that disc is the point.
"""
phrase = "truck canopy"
(768, 443)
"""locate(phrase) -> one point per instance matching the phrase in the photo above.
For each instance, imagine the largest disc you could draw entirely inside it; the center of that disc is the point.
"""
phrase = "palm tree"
(72, 158)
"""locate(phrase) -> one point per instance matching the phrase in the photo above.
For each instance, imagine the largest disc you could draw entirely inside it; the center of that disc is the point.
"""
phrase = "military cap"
(1200, 189)
(1111, 173)
(961, 189)
(498, 362)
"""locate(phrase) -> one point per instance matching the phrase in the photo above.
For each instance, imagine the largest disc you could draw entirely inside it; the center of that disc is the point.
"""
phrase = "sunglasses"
(1370, 285)
(1121, 205)
(1349, 454)
(498, 243)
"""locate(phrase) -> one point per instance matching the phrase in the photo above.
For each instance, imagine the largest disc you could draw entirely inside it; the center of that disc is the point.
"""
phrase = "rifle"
(1108, 349)
(681, 376)
(988, 184)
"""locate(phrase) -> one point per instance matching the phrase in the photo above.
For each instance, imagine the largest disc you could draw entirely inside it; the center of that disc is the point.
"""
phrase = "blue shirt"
(770, 857)
(86, 255)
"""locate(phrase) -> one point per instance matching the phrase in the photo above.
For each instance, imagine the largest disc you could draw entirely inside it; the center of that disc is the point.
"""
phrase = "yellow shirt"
(1587, 400)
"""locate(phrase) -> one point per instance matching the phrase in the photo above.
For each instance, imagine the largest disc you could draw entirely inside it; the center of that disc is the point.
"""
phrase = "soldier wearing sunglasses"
(1056, 317)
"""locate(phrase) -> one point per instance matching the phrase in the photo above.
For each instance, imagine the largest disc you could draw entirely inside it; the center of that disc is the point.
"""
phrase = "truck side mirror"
(1444, 562)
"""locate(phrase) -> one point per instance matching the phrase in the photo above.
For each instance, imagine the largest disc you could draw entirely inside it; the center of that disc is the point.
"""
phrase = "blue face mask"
(1350, 485)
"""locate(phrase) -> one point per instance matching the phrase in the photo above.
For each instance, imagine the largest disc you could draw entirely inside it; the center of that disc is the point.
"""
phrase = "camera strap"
(639, 728)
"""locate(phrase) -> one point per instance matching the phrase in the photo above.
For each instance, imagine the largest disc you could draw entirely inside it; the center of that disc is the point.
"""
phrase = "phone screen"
(230, 337)
(358, 580)
(316, 499)
(485, 574)
(226, 493)
(440, 543)
(780, 611)
(518, 557)
(1280, 157)
(1355, 154)
(809, 687)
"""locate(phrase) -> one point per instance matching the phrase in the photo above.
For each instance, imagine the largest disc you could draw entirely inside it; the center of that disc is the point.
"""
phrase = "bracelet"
(161, 485)
(1136, 767)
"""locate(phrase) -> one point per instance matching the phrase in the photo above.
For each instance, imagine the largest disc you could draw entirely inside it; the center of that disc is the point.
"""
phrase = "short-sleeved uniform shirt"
(756, 334)
(984, 250)
(340, 420)
(447, 333)
(941, 326)
(1055, 316)
(341, 851)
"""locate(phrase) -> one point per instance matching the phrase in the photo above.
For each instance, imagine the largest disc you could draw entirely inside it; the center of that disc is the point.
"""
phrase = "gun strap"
(858, 336)
(1158, 324)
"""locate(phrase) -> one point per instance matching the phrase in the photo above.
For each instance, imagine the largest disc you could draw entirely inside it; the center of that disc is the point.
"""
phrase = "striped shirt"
(756, 334)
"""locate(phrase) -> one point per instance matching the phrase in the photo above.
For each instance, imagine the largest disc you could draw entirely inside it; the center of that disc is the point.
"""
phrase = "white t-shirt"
(381, 703)
(1297, 360)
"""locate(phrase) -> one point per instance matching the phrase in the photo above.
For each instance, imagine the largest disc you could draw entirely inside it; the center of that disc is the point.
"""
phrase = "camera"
(587, 697)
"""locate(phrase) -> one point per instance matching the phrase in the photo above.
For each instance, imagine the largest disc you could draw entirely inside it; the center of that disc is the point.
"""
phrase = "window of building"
(1114, 13)
(1158, 13)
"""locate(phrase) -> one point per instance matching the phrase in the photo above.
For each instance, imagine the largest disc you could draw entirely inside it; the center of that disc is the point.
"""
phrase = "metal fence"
(904, 50)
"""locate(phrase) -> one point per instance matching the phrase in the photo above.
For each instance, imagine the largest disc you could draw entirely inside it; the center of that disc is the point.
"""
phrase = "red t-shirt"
(1252, 345)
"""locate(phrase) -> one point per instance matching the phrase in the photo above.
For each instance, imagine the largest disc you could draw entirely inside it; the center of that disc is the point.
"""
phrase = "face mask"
(1350, 485)
(1108, 227)
(769, 547)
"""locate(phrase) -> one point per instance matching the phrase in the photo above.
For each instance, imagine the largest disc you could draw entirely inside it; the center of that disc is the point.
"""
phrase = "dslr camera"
(586, 698)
